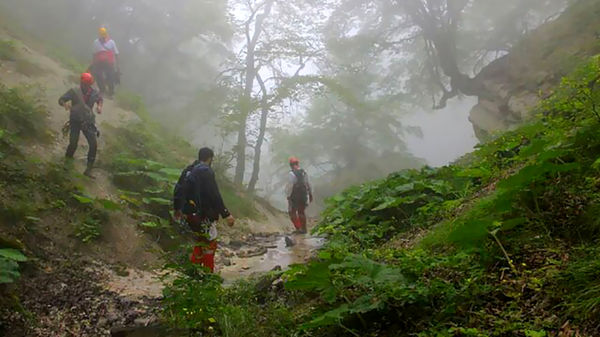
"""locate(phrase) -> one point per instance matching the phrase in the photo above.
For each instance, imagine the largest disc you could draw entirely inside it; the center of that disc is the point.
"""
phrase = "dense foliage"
(505, 241)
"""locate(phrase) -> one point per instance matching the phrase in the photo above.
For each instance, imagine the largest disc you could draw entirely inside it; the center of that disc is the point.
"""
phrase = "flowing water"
(277, 254)
(272, 251)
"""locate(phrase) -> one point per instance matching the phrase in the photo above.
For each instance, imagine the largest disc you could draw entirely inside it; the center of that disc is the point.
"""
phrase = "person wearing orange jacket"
(299, 194)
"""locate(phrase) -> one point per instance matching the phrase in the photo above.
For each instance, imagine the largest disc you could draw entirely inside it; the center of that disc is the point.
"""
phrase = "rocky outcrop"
(520, 79)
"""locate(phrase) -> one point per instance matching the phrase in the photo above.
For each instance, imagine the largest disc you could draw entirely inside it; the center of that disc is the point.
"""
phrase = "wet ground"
(259, 254)
(256, 254)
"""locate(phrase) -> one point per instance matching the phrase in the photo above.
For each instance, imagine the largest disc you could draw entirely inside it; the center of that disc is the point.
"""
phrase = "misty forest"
(300, 168)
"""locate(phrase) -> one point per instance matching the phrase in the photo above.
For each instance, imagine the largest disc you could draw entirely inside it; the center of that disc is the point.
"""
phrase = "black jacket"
(197, 183)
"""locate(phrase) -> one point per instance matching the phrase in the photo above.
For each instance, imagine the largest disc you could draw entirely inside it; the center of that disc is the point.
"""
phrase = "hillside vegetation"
(62, 234)
(504, 242)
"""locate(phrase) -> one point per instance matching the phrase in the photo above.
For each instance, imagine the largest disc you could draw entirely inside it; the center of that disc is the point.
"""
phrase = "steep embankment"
(95, 246)
(534, 67)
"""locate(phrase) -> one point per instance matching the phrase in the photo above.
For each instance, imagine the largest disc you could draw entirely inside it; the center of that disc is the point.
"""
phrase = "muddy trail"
(78, 296)
(257, 254)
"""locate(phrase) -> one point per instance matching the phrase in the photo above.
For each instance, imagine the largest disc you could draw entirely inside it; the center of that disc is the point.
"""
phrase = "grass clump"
(8, 50)
(22, 115)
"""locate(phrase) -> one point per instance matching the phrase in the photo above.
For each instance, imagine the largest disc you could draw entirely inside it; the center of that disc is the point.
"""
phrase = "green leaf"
(150, 224)
(533, 333)
(172, 173)
(329, 318)
(109, 205)
(12, 254)
(160, 201)
(83, 199)
(315, 277)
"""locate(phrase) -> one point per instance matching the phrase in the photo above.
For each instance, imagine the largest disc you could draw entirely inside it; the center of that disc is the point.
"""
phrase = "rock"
(523, 103)
(235, 244)
(289, 242)
(227, 262)
(141, 321)
(102, 321)
(256, 251)
(227, 253)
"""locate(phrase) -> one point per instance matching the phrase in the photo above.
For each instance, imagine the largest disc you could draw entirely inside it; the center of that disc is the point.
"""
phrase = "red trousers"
(204, 253)
(297, 215)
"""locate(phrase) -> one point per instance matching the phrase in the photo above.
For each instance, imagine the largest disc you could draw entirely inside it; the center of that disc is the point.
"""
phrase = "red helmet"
(87, 78)
(294, 161)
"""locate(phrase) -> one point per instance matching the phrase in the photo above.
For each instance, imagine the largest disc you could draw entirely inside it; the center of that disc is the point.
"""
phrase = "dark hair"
(205, 154)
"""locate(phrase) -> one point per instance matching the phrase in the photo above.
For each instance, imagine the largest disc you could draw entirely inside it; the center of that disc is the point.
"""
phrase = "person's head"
(206, 155)
(294, 162)
(86, 80)
(103, 33)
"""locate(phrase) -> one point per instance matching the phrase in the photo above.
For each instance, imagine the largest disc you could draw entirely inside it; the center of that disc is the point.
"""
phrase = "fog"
(355, 89)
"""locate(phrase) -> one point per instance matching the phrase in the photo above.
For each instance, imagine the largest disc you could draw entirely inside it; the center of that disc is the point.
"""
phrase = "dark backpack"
(185, 190)
(299, 190)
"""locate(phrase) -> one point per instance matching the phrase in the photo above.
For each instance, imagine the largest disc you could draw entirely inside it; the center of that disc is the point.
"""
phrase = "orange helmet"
(294, 161)
(87, 78)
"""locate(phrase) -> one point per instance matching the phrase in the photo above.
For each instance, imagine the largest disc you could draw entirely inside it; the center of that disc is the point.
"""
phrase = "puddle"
(277, 255)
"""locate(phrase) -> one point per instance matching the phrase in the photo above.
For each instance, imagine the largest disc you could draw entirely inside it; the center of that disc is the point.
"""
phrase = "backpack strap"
(80, 97)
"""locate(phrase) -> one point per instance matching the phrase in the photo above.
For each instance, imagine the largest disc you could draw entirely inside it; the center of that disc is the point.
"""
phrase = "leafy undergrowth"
(146, 161)
(503, 243)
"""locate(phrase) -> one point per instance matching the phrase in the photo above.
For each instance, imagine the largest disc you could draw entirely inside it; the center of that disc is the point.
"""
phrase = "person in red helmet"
(80, 101)
(299, 194)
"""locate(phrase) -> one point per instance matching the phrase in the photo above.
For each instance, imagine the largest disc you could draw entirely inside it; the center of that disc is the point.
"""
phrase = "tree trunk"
(441, 33)
(261, 136)
(251, 71)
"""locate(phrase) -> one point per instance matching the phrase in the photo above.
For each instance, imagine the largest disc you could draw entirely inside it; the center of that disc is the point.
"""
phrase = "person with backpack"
(198, 201)
(299, 195)
(80, 101)
(105, 66)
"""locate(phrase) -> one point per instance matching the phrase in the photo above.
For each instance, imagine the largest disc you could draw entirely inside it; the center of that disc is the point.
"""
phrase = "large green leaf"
(12, 254)
(315, 277)
(83, 199)
(171, 173)
(109, 204)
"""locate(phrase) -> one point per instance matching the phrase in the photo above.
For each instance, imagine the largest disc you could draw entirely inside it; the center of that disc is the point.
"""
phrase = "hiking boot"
(69, 163)
(88, 172)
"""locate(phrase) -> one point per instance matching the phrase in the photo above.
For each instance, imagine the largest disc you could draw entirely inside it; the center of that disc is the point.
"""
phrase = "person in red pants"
(197, 198)
(299, 195)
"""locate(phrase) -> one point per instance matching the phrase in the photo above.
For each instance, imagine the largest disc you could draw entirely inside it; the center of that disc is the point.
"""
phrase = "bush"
(8, 50)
